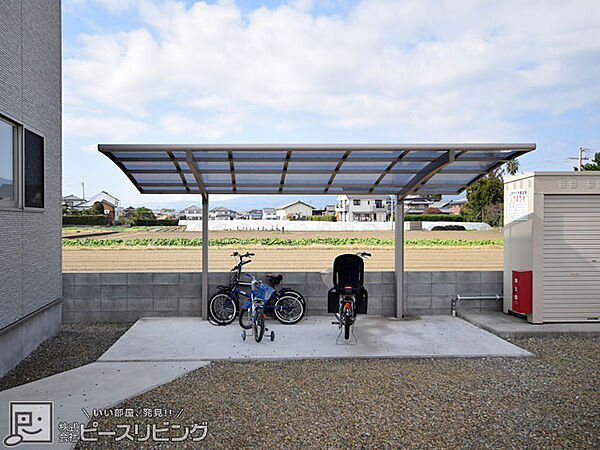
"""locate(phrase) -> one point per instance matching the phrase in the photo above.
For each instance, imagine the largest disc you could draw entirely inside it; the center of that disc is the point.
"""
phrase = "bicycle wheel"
(246, 318)
(222, 307)
(293, 292)
(347, 328)
(289, 309)
(258, 324)
(347, 322)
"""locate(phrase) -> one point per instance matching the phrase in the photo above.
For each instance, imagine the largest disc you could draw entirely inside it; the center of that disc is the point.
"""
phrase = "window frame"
(16, 203)
(22, 185)
(356, 202)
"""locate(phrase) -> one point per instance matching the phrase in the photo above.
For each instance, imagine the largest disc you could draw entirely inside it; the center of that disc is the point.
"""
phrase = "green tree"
(512, 167)
(485, 199)
(97, 209)
(143, 213)
(592, 166)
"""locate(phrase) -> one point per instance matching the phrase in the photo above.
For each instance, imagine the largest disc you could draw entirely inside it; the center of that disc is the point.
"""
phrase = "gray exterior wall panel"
(30, 95)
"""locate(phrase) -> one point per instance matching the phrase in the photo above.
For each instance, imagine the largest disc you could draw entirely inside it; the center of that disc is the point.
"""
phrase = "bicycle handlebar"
(363, 254)
(242, 262)
(246, 255)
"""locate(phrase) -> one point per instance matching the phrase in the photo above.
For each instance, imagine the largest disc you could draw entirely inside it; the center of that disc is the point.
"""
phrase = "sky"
(330, 71)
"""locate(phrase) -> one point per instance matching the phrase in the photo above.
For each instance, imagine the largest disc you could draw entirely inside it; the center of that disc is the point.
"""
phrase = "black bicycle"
(287, 305)
(348, 296)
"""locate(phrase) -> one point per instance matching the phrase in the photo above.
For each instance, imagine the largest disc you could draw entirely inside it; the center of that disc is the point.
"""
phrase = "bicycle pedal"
(335, 323)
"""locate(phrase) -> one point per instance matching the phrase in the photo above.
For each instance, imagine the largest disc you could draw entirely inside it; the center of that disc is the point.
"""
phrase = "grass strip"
(242, 242)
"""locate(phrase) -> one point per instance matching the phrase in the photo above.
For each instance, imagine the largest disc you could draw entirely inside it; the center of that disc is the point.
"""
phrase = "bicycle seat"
(274, 278)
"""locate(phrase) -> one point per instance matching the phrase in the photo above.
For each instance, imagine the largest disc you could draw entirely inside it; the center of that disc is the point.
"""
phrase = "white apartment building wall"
(362, 208)
(269, 214)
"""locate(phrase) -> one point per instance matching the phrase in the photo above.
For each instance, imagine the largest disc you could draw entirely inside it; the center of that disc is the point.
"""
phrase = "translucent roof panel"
(451, 178)
(167, 178)
(314, 165)
(258, 165)
(149, 165)
(392, 169)
(354, 178)
(307, 178)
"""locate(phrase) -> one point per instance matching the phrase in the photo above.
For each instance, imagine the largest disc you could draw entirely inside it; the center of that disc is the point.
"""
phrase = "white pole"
(205, 257)
(399, 256)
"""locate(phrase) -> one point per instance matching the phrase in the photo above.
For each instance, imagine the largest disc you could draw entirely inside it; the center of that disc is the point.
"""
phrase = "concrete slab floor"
(192, 339)
(509, 326)
(97, 385)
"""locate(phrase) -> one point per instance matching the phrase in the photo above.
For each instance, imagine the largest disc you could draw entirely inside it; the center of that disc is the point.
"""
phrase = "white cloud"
(109, 128)
(419, 69)
(114, 6)
(92, 148)
(210, 129)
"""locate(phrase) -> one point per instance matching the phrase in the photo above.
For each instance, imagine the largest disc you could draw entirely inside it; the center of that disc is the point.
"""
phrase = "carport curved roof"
(390, 169)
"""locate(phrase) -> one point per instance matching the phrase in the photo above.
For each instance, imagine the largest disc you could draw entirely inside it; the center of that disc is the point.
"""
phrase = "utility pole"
(83, 185)
(583, 150)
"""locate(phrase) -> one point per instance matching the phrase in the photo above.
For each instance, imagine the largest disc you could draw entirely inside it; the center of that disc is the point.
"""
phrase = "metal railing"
(455, 299)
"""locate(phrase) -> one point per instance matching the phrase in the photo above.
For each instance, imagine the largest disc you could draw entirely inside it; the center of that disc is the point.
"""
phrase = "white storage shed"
(552, 246)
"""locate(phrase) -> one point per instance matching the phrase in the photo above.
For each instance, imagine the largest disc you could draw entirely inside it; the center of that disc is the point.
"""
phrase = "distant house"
(296, 210)
(165, 213)
(449, 206)
(416, 204)
(71, 200)
(330, 210)
(127, 212)
(255, 214)
(111, 204)
(221, 213)
(362, 208)
(269, 214)
(192, 212)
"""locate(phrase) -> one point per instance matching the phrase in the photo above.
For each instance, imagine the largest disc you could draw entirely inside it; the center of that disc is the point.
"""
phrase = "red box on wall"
(522, 291)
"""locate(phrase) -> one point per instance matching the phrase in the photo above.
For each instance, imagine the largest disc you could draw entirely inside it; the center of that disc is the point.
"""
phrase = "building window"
(378, 203)
(356, 202)
(34, 170)
(8, 164)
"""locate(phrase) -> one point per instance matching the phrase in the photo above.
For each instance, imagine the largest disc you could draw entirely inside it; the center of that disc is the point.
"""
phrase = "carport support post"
(399, 255)
(205, 256)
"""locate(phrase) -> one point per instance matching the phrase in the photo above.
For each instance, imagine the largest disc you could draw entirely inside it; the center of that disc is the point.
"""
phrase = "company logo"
(30, 422)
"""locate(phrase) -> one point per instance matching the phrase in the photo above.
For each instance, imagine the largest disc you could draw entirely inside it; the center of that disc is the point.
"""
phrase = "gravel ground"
(552, 400)
(75, 345)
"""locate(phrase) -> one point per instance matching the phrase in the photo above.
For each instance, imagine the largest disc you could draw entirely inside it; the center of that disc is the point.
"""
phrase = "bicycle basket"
(263, 291)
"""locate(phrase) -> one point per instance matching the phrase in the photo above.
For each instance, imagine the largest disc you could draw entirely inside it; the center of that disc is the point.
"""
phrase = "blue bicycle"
(286, 305)
(259, 294)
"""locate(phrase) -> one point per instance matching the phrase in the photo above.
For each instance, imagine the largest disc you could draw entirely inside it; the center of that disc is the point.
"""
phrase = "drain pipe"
(456, 298)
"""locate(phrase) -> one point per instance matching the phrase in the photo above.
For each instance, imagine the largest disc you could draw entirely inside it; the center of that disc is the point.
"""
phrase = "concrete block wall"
(119, 297)
(125, 297)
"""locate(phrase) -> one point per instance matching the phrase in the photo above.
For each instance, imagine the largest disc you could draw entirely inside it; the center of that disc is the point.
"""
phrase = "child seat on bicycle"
(348, 279)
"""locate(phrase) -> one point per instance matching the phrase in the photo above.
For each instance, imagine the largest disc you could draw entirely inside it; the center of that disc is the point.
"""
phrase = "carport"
(309, 169)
